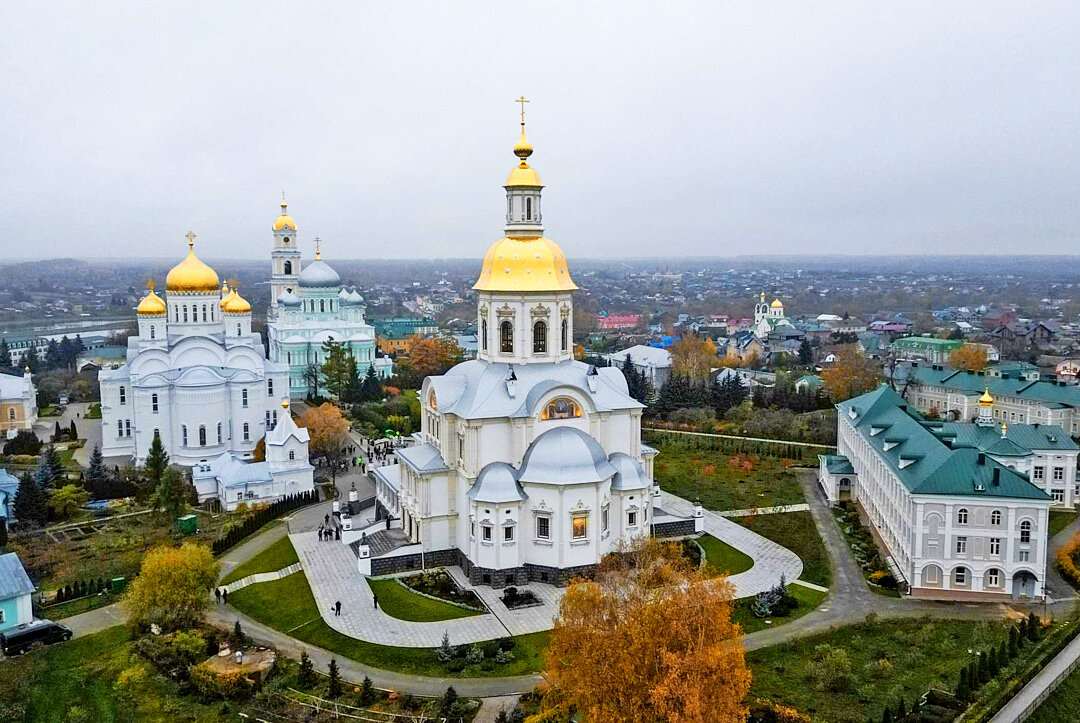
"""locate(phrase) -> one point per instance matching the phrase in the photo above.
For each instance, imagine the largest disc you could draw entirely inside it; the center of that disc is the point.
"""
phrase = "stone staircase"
(384, 541)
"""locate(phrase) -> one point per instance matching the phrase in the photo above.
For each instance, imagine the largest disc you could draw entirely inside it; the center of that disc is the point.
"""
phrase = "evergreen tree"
(5, 354)
(1032, 627)
(3, 532)
(335, 369)
(984, 668)
(31, 361)
(171, 493)
(52, 355)
(963, 689)
(973, 675)
(354, 387)
(372, 388)
(806, 352)
(239, 639)
(1021, 635)
(78, 345)
(1003, 655)
(67, 352)
(307, 670)
(887, 716)
(901, 710)
(30, 502)
(367, 692)
(74, 431)
(50, 470)
(157, 461)
(446, 707)
(56, 432)
(334, 688)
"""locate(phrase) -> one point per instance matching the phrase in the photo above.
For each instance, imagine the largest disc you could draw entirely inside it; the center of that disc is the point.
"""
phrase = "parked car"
(21, 638)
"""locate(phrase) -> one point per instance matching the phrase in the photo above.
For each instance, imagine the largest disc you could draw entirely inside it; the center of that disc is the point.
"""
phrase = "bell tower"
(284, 259)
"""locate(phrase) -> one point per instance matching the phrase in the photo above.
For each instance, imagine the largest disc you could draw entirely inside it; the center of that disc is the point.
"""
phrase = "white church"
(529, 465)
(195, 374)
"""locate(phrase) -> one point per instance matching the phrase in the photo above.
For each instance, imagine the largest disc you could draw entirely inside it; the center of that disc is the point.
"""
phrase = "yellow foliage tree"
(851, 374)
(173, 586)
(694, 357)
(433, 355)
(327, 426)
(968, 357)
(649, 639)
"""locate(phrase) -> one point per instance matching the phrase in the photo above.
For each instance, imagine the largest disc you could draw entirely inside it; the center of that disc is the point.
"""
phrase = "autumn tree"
(851, 374)
(329, 432)
(969, 357)
(649, 639)
(173, 586)
(433, 355)
(694, 357)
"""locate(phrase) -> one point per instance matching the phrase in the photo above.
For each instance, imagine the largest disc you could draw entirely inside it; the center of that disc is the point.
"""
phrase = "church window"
(543, 528)
(123, 396)
(268, 419)
(11, 414)
(183, 435)
(528, 209)
(484, 333)
(176, 313)
(153, 331)
(561, 408)
(275, 417)
(292, 454)
(565, 329)
(127, 427)
(202, 436)
(238, 330)
(157, 432)
(605, 519)
(580, 527)
(540, 338)
(995, 518)
(185, 313)
(219, 432)
(247, 432)
(485, 533)
(119, 428)
(631, 519)
(506, 332)
(962, 516)
(1025, 532)
(508, 533)
(204, 312)
(322, 305)
(269, 387)
(288, 264)
(243, 398)
(509, 207)
(154, 403)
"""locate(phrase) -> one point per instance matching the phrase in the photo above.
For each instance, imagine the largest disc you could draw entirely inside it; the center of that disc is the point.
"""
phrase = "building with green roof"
(953, 505)
(927, 348)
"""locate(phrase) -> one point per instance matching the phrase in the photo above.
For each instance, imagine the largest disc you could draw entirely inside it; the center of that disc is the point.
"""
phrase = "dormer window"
(561, 408)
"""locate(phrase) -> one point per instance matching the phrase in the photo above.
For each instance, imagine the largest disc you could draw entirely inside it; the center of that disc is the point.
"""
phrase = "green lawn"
(287, 603)
(93, 411)
(77, 681)
(1059, 520)
(797, 532)
(850, 674)
(710, 476)
(722, 558)
(1063, 703)
(399, 602)
(808, 600)
(279, 555)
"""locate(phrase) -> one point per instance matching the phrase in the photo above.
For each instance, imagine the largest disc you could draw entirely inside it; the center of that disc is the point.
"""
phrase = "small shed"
(187, 525)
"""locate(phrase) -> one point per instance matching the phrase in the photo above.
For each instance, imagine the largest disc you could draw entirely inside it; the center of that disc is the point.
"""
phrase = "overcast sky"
(690, 129)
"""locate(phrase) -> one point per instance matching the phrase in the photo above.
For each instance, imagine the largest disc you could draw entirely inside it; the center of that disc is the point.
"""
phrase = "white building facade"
(529, 465)
(957, 522)
(195, 374)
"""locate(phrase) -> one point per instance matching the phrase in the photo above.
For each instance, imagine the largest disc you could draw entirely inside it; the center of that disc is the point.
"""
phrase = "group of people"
(328, 532)
(222, 595)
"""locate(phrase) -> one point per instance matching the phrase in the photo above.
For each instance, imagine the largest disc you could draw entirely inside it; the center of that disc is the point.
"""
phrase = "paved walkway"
(1039, 688)
(262, 577)
(491, 707)
(802, 507)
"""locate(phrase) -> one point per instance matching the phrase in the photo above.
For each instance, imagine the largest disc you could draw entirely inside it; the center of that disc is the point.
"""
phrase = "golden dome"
(235, 304)
(531, 263)
(151, 304)
(777, 304)
(191, 275)
(986, 400)
(284, 220)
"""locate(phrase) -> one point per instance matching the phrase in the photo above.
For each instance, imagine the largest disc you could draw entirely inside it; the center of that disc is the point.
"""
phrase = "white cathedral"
(529, 465)
(197, 377)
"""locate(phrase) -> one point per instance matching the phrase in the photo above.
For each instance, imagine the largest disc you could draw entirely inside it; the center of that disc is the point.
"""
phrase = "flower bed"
(439, 584)
(515, 598)
(865, 550)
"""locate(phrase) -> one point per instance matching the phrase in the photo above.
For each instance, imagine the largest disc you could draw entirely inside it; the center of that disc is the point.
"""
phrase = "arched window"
(993, 577)
(238, 330)
(506, 337)
(292, 454)
(202, 436)
(247, 432)
(540, 338)
(565, 330)
(219, 432)
(11, 414)
(995, 518)
(509, 207)
(153, 331)
(204, 313)
(269, 387)
(183, 434)
(528, 209)
(962, 516)
(288, 264)
(322, 305)
(123, 396)
(185, 313)
(484, 334)
(157, 432)
(561, 408)
(1025, 532)
(243, 398)
(154, 403)
(176, 313)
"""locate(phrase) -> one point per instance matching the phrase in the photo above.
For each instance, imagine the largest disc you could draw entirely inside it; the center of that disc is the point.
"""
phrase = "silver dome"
(318, 274)
(629, 474)
(288, 298)
(565, 455)
(496, 483)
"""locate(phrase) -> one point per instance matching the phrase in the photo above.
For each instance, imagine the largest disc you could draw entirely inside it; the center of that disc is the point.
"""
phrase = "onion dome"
(151, 304)
(191, 275)
(524, 264)
(319, 275)
(986, 400)
(284, 221)
(777, 304)
(354, 297)
(523, 174)
(288, 298)
(343, 296)
(235, 304)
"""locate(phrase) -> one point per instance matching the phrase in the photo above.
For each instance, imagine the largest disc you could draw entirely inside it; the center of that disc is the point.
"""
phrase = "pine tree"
(97, 476)
(354, 387)
(171, 493)
(78, 345)
(31, 361)
(984, 668)
(963, 688)
(5, 354)
(887, 716)
(446, 708)
(973, 676)
(372, 388)
(52, 354)
(74, 431)
(1032, 627)
(993, 662)
(901, 710)
(239, 639)
(50, 470)
(307, 670)
(30, 502)
(334, 688)
(157, 461)
(806, 352)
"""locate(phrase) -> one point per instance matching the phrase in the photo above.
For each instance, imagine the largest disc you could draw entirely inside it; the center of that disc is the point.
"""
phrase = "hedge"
(259, 518)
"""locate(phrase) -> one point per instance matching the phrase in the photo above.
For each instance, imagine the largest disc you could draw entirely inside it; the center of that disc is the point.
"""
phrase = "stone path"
(771, 560)
(262, 577)
(801, 507)
(491, 707)
(1039, 688)
(524, 620)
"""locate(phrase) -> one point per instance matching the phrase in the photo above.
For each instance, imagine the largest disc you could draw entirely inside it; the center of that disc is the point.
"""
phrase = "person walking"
(217, 594)
(337, 608)
(375, 599)
(225, 596)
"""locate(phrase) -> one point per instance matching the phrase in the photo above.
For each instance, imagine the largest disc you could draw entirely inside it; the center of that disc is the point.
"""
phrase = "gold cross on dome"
(150, 284)
(523, 102)
(317, 253)
(234, 284)
(190, 238)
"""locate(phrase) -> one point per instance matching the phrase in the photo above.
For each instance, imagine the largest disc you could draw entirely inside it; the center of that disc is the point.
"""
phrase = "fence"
(261, 517)
(1003, 716)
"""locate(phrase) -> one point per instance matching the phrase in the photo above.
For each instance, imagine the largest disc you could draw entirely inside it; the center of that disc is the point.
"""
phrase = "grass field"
(1059, 520)
(713, 478)
(722, 558)
(850, 674)
(797, 532)
(808, 600)
(400, 602)
(287, 605)
(278, 555)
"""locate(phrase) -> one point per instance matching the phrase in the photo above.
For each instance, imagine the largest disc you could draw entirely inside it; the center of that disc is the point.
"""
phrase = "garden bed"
(402, 602)
(439, 584)
(515, 598)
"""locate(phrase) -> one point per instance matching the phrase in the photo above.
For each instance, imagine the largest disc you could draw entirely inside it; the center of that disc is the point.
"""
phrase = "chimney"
(511, 383)
(997, 477)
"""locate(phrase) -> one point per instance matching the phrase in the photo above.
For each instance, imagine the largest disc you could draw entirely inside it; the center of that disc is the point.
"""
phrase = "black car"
(21, 638)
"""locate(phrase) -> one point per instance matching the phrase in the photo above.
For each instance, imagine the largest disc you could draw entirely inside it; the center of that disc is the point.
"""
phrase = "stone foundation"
(679, 528)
